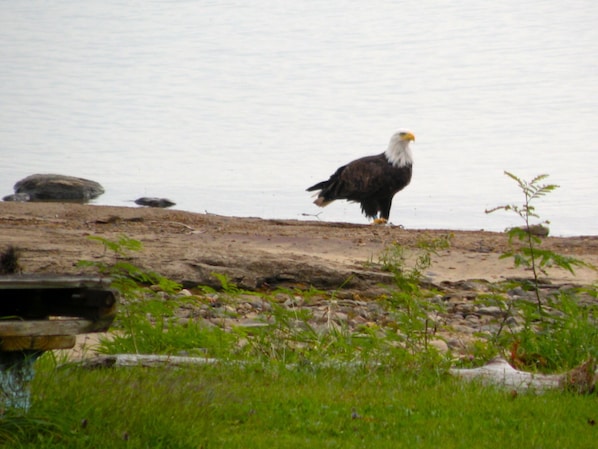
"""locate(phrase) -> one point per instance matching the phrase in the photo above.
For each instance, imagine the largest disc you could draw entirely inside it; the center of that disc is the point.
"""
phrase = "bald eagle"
(371, 181)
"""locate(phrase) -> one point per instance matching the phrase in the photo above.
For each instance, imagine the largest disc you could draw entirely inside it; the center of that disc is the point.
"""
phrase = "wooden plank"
(43, 343)
(36, 328)
(52, 281)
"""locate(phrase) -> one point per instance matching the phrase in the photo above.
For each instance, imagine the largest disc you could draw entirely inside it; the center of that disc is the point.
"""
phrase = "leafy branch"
(530, 255)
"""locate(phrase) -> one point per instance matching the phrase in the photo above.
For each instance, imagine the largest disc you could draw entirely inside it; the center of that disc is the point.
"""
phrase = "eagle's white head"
(398, 152)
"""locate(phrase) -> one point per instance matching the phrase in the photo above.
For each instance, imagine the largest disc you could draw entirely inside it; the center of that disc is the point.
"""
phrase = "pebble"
(154, 202)
(455, 343)
(517, 292)
(491, 310)
(440, 345)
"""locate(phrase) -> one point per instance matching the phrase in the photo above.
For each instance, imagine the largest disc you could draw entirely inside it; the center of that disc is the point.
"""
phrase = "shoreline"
(188, 246)
(257, 255)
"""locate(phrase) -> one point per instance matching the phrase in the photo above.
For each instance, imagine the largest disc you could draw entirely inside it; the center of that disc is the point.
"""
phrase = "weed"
(530, 255)
(146, 318)
(409, 302)
(18, 429)
(9, 260)
(556, 332)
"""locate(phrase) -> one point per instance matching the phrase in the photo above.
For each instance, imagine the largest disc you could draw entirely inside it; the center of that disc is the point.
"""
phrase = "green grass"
(269, 406)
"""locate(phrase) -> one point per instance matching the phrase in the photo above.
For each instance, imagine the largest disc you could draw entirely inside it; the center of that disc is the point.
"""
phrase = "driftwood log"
(145, 360)
(497, 372)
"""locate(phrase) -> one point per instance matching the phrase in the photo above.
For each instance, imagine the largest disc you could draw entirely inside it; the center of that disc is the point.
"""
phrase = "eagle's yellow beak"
(408, 136)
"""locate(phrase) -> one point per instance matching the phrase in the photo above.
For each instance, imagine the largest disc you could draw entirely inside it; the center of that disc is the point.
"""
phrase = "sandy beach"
(189, 247)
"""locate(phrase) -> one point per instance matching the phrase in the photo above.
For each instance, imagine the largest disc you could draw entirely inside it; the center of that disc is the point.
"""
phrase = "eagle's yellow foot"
(380, 221)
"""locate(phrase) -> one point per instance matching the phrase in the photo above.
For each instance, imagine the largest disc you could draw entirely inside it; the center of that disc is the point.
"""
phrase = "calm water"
(236, 107)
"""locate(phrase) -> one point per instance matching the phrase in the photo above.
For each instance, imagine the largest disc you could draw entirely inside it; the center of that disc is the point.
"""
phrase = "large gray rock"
(58, 188)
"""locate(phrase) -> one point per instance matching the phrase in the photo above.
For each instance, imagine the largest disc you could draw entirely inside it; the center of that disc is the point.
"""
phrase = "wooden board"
(52, 281)
(39, 328)
(42, 343)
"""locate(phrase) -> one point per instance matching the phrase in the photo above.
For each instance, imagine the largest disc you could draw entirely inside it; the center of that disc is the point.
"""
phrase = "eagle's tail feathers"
(318, 186)
(322, 202)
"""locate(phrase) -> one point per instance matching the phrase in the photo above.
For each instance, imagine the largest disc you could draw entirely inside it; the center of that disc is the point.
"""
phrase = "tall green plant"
(142, 313)
(530, 255)
(408, 300)
(126, 276)
(564, 334)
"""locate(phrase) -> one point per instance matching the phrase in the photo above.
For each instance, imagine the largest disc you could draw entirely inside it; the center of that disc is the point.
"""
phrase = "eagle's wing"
(361, 177)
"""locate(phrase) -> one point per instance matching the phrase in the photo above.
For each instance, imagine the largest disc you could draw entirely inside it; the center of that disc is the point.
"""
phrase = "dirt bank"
(189, 247)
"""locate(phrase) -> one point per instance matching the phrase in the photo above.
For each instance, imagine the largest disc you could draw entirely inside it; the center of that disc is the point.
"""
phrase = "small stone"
(19, 197)
(183, 322)
(357, 320)
(437, 299)
(263, 306)
(162, 295)
(467, 308)
(464, 328)
(296, 301)
(517, 291)
(154, 202)
(490, 310)
(455, 343)
(375, 308)
(511, 321)
(339, 316)
(440, 345)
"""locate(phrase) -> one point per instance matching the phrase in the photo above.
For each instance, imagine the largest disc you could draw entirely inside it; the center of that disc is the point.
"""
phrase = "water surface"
(236, 107)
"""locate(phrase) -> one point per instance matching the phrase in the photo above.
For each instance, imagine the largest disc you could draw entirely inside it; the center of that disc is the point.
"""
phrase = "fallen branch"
(145, 360)
(498, 372)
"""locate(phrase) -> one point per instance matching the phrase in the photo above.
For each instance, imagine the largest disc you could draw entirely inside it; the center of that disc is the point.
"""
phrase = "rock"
(295, 301)
(184, 292)
(472, 319)
(517, 292)
(22, 197)
(154, 202)
(535, 229)
(491, 310)
(455, 343)
(440, 345)
(57, 188)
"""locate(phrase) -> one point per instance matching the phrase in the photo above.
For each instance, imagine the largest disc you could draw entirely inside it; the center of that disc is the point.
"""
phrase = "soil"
(253, 252)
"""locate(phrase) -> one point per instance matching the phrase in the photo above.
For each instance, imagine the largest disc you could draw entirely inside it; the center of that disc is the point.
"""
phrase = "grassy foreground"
(232, 406)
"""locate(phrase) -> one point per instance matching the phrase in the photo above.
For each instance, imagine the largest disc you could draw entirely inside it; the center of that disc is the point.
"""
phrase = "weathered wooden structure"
(40, 313)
